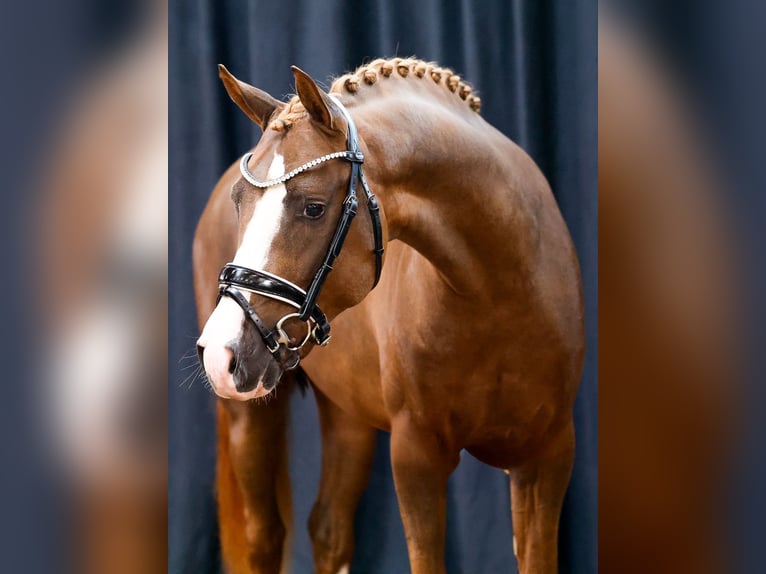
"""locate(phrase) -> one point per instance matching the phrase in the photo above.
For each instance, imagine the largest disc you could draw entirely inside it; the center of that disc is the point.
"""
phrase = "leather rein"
(235, 278)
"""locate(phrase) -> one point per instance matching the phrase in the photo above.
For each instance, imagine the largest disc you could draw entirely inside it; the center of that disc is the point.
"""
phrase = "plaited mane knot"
(370, 77)
(351, 84)
(292, 112)
(281, 125)
(475, 103)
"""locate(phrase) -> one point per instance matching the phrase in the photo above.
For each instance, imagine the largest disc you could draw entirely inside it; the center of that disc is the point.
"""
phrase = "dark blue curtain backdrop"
(534, 65)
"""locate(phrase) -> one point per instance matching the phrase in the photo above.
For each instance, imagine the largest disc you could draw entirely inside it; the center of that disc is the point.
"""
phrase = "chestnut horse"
(473, 338)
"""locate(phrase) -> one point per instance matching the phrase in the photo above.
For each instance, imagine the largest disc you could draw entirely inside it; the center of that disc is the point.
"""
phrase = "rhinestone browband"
(289, 175)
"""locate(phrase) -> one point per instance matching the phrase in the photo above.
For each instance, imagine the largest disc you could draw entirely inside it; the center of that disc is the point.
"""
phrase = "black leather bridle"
(234, 278)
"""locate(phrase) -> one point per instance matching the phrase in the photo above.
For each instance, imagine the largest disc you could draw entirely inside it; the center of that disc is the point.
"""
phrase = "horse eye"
(313, 210)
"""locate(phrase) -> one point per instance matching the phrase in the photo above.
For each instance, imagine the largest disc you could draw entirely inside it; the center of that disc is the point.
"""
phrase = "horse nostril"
(200, 354)
(232, 364)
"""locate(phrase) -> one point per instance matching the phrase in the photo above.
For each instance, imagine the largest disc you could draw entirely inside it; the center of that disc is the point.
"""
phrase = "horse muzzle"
(240, 369)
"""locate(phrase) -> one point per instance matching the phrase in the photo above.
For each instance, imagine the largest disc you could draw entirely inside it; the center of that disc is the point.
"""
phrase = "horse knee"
(265, 541)
(332, 538)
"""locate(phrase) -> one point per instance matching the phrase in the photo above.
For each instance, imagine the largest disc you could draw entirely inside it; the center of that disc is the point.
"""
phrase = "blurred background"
(681, 427)
(84, 337)
(534, 66)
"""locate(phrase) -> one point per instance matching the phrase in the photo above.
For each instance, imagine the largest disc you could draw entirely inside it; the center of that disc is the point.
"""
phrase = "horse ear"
(257, 104)
(318, 104)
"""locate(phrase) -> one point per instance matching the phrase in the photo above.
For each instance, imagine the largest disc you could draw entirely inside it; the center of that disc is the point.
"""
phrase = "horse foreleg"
(537, 494)
(252, 484)
(422, 463)
(347, 452)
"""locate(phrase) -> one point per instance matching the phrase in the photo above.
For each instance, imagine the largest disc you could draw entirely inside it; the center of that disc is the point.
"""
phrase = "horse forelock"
(368, 75)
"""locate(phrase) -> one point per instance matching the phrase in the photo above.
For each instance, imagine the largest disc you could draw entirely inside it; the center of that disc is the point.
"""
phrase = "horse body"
(472, 330)
(473, 339)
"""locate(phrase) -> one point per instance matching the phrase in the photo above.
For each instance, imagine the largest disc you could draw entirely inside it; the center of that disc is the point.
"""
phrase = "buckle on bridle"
(319, 341)
(273, 351)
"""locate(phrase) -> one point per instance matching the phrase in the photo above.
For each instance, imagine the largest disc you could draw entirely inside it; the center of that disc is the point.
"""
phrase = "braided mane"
(378, 70)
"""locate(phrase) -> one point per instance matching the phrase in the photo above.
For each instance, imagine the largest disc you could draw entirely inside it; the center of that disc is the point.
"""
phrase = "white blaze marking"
(264, 225)
(227, 321)
(224, 325)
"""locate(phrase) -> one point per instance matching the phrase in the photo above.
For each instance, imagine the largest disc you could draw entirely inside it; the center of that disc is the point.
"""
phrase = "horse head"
(295, 200)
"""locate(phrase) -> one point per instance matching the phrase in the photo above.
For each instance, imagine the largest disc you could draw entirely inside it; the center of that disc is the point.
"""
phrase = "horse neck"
(447, 183)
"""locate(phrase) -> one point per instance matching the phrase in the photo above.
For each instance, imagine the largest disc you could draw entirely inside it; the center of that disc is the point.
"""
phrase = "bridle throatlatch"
(235, 278)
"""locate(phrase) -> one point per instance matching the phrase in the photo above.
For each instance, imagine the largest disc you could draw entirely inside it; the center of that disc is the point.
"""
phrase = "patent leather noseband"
(235, 278)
